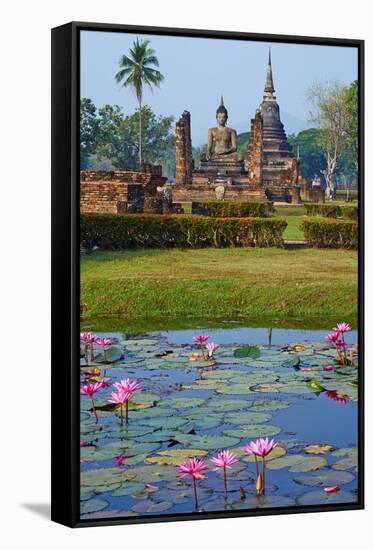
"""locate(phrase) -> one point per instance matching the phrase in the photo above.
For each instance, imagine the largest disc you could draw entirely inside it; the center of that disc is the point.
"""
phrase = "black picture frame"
(65, 270)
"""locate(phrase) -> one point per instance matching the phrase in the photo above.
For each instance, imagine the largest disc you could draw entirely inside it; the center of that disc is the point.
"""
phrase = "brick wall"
(116, 192)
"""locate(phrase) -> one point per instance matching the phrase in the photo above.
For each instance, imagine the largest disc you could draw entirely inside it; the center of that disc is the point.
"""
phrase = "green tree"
(117, 140)
(329, 113)
(351, 105)
(88, 130)
(312, 158)
(136, 70)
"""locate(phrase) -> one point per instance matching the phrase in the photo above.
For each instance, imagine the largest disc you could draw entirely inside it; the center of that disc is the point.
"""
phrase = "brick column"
(254, 160)
(184, 164)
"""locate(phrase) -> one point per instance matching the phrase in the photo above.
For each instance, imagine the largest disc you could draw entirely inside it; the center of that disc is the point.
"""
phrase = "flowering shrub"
(116, 232)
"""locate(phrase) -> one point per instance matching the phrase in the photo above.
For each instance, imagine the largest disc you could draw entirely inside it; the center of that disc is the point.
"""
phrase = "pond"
(282, 384)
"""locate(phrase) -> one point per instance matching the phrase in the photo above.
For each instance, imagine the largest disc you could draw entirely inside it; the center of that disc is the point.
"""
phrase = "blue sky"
(198, 70)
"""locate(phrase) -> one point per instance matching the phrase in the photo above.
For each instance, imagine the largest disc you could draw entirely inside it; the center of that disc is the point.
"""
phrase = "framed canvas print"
(207, 214)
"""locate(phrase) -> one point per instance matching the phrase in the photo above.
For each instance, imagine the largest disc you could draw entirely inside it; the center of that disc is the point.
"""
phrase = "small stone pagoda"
(267, 171)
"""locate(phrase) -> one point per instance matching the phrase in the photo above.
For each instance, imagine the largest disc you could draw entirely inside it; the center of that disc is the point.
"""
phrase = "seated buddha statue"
(222, 141)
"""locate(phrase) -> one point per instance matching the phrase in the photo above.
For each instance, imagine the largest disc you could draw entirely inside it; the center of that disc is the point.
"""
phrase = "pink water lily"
(90, 390)
(260, 447)
(88, 338)
(103, 342)
(193, 467)
(342, 327)
(211, 348)
(127, 385)
(121, 398)
(332, 337)
(224, 460)
(124, 391)
(337, 338)
(201, 339)
(333, 395)
(119, 461)
(332, 489)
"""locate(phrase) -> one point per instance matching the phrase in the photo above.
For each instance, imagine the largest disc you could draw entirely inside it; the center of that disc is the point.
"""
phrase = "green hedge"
(332, 211)
(116, 232)
(223, 209)
(331, 233)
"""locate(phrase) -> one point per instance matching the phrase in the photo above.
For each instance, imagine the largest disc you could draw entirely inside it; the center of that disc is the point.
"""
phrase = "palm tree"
(135, 71)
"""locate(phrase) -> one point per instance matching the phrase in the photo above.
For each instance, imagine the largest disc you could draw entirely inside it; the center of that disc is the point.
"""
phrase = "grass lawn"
(223, 284)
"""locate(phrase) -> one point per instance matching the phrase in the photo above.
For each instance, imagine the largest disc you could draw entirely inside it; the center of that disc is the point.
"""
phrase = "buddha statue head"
(221, 114)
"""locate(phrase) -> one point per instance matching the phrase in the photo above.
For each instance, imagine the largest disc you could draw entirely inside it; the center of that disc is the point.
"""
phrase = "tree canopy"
(108, 134)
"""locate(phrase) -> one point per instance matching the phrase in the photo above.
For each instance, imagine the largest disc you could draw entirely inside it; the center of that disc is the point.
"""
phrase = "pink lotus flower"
(87, 337)
(201, 339)
(193, 467)
(103, 341)
(306, 369)
(125, 389)
(90, 389)
(332, 337)
(127, 385)
(342, 327)
(211, 348)
(261, 447)
(119, 397)
(333, 489)
(86, 444)
(225, 459)
(333, 395)
(341, 344)
(119, 461)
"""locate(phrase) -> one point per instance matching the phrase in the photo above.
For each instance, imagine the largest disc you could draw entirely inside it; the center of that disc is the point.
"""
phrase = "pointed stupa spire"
(269, 89)
(221, 100)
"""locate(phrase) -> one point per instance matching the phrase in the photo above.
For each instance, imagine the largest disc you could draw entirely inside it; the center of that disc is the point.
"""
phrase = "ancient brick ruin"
(119, 192)
(269, 169)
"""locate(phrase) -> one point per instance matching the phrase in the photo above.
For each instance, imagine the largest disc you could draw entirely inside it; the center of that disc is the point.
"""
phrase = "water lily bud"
(259, 484)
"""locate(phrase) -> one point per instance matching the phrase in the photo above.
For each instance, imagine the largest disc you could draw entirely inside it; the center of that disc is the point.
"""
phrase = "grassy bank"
(221, 284)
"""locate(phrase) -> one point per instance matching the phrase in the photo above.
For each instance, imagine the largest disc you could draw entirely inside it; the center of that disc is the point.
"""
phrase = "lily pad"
(105, 477)
(150, 507)
(226, 405)
(93, 505)
(320, 497)
(127, 489)
(247, 351)
(182, 402)
(298, 463)
(253, 430)
(269, 405)
(166, 423)
(209, 442)
(175, 456)
(318, 449)
(246, 417)
(325, 478)
(349, 457)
